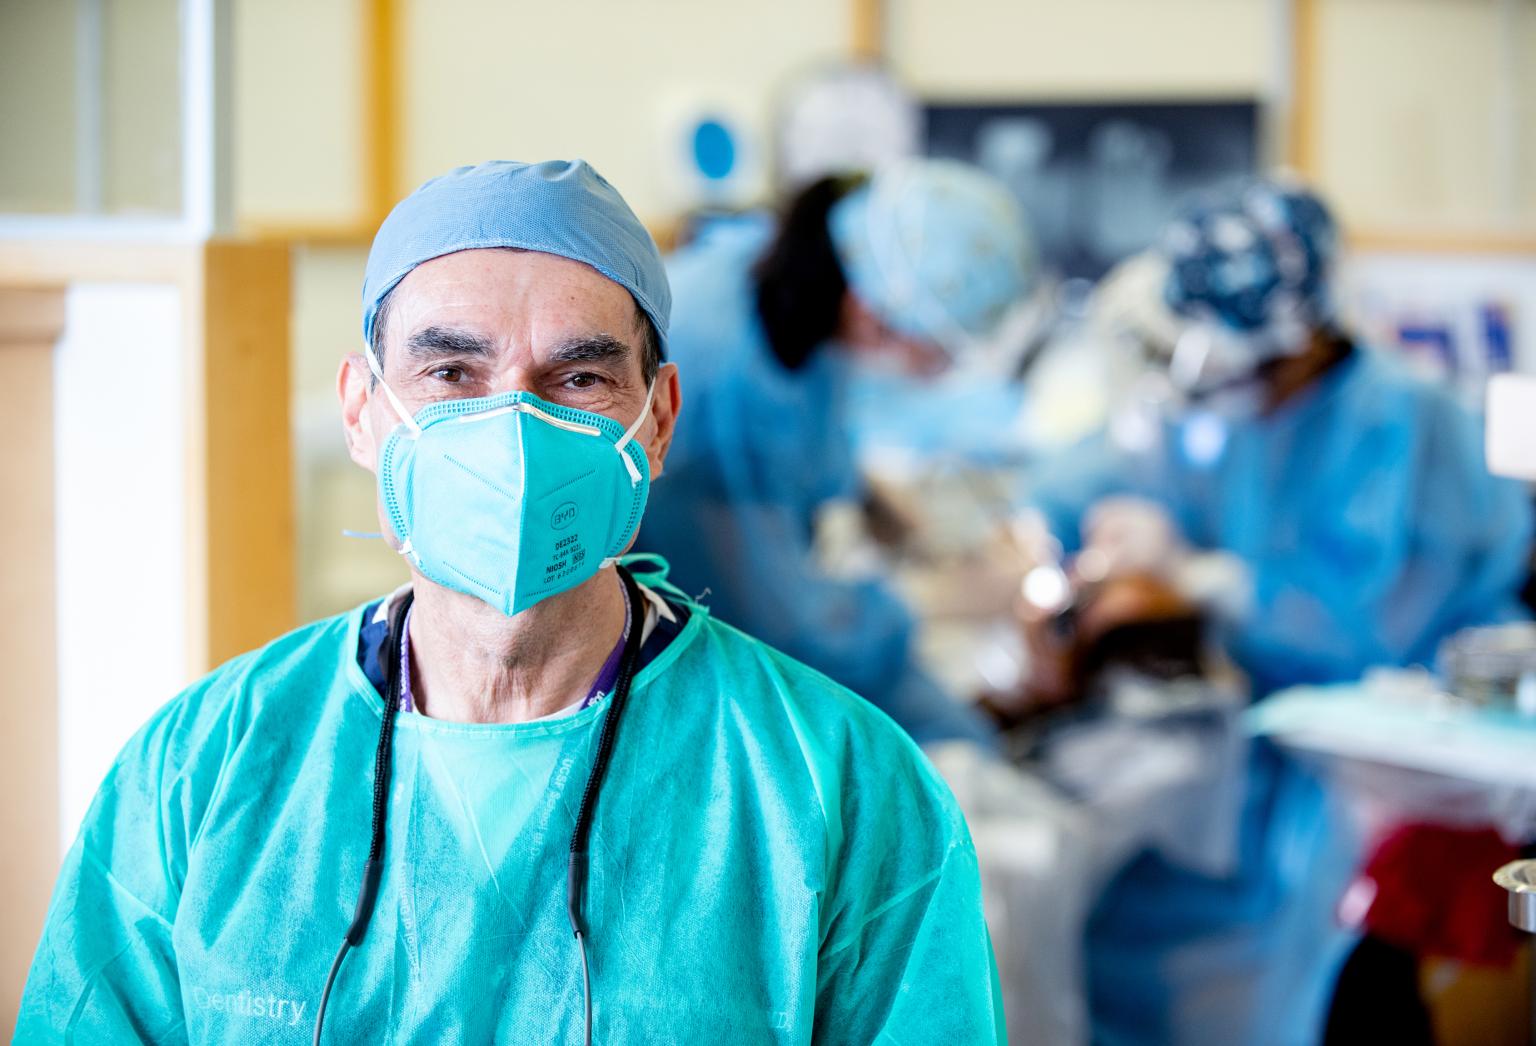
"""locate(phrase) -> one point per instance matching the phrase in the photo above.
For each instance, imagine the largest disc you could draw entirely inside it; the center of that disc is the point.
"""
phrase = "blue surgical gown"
(759, 450)
(772, 861)
(1363, 510)
(1373, 531)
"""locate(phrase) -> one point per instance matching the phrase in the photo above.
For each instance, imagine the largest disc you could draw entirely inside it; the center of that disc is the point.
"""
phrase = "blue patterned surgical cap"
(557, 207)
(1251, 257)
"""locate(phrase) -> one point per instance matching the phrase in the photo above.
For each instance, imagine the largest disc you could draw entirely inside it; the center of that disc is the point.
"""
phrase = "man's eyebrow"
(448, 341)
(591, 348)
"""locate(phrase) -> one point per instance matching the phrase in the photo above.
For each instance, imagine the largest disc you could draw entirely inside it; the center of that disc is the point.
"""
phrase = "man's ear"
(665, 404)
(352, 388)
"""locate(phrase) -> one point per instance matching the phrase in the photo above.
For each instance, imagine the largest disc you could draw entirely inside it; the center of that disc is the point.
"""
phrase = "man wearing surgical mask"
(1357, 498)
(907, 269)
(536, 795)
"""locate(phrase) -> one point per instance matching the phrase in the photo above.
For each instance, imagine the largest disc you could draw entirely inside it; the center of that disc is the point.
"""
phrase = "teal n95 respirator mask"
(510, 498)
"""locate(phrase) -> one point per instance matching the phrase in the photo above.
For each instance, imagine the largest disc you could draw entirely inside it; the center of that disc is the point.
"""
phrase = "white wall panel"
(121, 492)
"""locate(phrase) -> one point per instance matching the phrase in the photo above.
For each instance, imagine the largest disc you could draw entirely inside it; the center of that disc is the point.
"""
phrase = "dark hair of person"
(799, 281)
(650, 338)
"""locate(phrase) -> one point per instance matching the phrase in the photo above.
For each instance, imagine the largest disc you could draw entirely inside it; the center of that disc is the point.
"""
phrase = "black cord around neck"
(576, 865)
(577, 861)
(382, 760)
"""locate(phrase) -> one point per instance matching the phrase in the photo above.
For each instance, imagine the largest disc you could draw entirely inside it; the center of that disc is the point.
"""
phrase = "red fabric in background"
(1435, 894)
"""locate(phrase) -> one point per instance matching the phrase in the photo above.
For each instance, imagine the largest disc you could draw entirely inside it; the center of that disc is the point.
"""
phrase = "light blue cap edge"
(658, 312)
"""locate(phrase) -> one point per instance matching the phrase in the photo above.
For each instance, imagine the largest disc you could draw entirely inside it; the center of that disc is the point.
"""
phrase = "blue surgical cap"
(934, 248)
(557, 207)
(1251, 256)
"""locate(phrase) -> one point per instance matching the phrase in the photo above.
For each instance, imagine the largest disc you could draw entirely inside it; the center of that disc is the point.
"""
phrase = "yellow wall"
(1409, 128)
(1085, 48)
(299, 141)
(601, 78)
(486, 79)
(1525, 109)
(1406, 126)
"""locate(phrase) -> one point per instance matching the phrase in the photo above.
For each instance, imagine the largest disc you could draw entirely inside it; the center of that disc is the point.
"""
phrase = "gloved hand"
(1127, 535)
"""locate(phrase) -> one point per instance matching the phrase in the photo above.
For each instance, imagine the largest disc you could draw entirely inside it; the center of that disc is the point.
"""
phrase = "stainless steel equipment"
(1519, 878)
(1494, 666)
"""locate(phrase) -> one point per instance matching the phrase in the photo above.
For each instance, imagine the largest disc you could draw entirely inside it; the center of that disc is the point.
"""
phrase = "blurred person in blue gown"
(906, 270)
(1357, 497)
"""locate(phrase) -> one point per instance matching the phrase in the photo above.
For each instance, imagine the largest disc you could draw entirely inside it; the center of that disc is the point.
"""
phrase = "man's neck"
(472, 664)
(1292, 375)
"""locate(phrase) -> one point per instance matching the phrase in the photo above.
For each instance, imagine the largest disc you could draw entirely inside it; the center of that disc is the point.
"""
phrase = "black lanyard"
(577, 861)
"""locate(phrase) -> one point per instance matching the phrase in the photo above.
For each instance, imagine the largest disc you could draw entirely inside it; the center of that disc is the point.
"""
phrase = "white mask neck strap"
(389, 393)
(634, 427)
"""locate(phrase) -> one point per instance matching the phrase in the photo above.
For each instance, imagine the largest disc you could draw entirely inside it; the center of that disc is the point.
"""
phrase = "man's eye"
(583, 381)
(452, 375)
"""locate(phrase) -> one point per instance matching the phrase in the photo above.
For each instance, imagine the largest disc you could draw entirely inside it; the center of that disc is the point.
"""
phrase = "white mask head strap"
(389, 393)
(634, 427)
